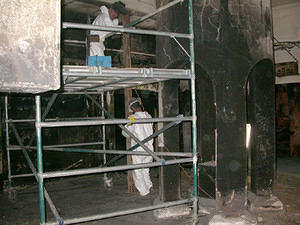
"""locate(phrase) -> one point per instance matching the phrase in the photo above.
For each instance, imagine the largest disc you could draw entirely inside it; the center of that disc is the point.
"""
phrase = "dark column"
(231, 162)
(206, 127)
(261, 110)
(169, 175)
(168, 106)
(230, 38)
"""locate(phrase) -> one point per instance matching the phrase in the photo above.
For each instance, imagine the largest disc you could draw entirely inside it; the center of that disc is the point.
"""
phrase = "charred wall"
(65, 106)
(231, 37)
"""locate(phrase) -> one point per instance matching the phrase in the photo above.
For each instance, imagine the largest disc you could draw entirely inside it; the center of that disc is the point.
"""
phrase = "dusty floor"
(83, 196)
(287, 187)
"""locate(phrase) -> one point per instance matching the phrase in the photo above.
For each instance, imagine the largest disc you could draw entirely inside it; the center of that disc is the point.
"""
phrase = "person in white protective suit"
(141, 177)
(107, 17)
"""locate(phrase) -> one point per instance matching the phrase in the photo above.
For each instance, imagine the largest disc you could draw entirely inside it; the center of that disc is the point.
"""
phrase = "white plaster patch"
(222, 220)
(172, 212)
(23, 45)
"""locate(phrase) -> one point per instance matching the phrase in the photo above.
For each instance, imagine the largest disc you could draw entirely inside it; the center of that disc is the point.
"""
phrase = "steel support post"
(7, 141)
(45, 113)
(40, 159)
(103, 133)
(193, 96)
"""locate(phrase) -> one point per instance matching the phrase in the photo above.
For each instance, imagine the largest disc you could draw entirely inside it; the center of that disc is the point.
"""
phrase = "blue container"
(104, 61)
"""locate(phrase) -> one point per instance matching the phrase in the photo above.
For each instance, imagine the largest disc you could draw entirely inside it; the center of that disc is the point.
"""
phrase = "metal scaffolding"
(90, 80)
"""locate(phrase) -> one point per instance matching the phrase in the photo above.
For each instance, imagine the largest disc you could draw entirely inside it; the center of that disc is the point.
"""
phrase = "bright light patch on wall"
(248, 134)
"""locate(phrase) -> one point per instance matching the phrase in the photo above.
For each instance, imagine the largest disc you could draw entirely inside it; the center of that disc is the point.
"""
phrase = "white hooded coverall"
(141, 177)
(103, 19)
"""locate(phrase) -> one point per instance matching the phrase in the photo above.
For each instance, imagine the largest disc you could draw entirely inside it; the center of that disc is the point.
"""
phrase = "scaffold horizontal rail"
(67, 25)
(23, 175)
(17, 147)
(112, 152)
(52, 119)
(102, 87)
(112, 121)
(124, 212)
(208, 163)
(113, 168)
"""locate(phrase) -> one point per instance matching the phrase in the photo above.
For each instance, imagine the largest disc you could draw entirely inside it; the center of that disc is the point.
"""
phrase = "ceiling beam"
(141, 6)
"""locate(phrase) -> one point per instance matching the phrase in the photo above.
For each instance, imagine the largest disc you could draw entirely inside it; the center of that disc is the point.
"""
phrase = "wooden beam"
(127, 96)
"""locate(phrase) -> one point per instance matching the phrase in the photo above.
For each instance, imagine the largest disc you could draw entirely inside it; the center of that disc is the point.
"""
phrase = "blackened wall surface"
(170, 175)
(231, 36)
(65, 106)
(261, 116)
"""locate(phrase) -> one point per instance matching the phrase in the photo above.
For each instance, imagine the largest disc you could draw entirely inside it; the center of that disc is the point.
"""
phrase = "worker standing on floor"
(107, 17)
(141, 177)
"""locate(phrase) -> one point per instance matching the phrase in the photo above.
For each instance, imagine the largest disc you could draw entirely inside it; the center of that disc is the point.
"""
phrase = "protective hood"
(104, 9)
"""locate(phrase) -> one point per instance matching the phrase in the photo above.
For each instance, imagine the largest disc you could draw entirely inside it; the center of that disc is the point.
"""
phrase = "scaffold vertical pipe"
(103, 132)
(7, 141)
(40, 159)
(193, 96)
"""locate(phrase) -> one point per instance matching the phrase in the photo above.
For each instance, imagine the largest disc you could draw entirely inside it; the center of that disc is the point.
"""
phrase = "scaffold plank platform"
(99, 79)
